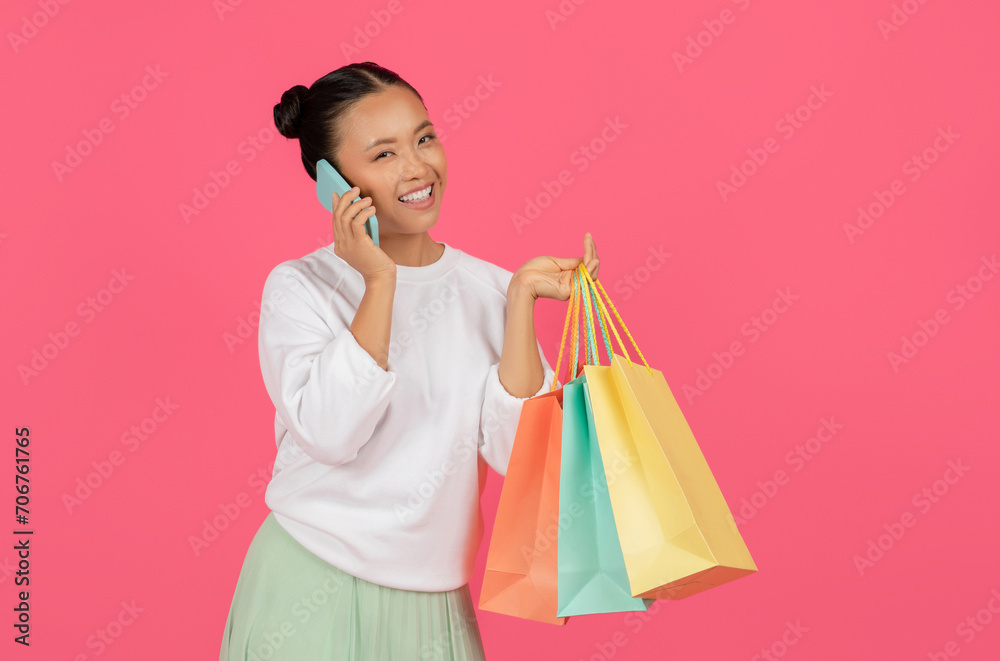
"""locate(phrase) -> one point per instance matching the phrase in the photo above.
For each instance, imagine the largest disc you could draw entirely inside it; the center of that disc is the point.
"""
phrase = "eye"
(428, 135)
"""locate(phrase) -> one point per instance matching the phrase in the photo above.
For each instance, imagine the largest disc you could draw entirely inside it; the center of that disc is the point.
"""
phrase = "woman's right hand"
(350, 240)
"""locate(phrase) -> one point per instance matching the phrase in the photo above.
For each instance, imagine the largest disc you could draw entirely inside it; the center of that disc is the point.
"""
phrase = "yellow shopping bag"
(677, 534)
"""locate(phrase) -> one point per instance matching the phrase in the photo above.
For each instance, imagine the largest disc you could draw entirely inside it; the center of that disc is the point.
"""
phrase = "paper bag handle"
(605, 315)
(591, 300)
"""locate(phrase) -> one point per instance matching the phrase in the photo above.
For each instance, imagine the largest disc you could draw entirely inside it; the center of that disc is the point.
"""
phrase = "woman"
(397, 372)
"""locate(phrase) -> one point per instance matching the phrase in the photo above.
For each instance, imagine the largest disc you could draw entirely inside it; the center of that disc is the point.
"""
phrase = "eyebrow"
(383, 141)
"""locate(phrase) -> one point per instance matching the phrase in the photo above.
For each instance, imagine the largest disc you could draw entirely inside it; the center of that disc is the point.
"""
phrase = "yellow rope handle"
(589, 331)
(600, 286)
(606, 319)
(573, 310)
(575, 344)
(562, 343)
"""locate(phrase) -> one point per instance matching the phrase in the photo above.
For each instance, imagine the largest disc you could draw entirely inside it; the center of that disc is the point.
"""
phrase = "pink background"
(654, 187)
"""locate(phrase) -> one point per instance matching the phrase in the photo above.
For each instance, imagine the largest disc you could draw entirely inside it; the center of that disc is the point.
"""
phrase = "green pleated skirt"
(290, 605)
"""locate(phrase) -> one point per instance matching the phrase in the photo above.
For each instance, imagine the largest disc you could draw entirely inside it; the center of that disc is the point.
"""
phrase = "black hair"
(312, 114)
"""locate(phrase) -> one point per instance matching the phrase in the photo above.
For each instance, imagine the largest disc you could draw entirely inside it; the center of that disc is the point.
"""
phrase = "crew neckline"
(446, 262)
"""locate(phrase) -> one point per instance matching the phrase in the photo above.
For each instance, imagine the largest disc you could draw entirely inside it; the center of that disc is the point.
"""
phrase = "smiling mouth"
(418, 196)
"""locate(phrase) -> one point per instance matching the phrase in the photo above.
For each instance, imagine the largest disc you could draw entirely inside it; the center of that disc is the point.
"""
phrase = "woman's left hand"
(552, 277)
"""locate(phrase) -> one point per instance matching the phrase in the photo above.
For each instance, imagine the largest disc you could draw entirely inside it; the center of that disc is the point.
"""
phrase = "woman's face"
(391, 150)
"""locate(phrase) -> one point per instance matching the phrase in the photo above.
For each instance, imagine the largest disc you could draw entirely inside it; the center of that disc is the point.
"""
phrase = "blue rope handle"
(600, 319)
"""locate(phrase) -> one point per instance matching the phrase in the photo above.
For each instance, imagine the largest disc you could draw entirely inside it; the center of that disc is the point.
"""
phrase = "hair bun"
(288, 112)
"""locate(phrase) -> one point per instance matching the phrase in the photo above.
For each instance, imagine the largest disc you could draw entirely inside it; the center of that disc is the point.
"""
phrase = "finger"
(593, 263)
(351, 224)
(567, 263)
(358, 224)
(352, 212)
(347, 199)
(354, 208)
(341, 216)
(338, 226)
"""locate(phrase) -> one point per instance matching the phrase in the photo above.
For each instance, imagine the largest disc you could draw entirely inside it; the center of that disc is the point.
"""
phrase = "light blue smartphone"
(329, 181)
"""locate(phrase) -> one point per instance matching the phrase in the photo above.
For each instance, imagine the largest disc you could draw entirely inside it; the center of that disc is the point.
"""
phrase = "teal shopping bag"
(591, 568)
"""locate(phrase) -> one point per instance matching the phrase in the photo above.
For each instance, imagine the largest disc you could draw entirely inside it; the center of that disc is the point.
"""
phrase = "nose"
(414, 166)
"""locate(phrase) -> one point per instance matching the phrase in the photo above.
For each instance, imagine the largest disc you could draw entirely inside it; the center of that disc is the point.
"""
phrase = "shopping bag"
(677, 534)
(521, 576)
(592, 575)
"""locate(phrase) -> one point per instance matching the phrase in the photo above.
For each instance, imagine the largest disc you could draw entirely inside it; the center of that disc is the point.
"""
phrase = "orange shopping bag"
(521, 576)
(521, 573)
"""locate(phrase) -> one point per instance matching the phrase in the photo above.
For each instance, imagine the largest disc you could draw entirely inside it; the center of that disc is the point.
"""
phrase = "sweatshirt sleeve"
(500, 414)
(326, 388)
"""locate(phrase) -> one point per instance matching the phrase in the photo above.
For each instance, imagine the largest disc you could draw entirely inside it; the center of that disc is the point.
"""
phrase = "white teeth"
(419, 195)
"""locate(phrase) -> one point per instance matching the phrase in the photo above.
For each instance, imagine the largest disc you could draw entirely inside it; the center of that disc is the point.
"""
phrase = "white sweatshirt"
(379, 472)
